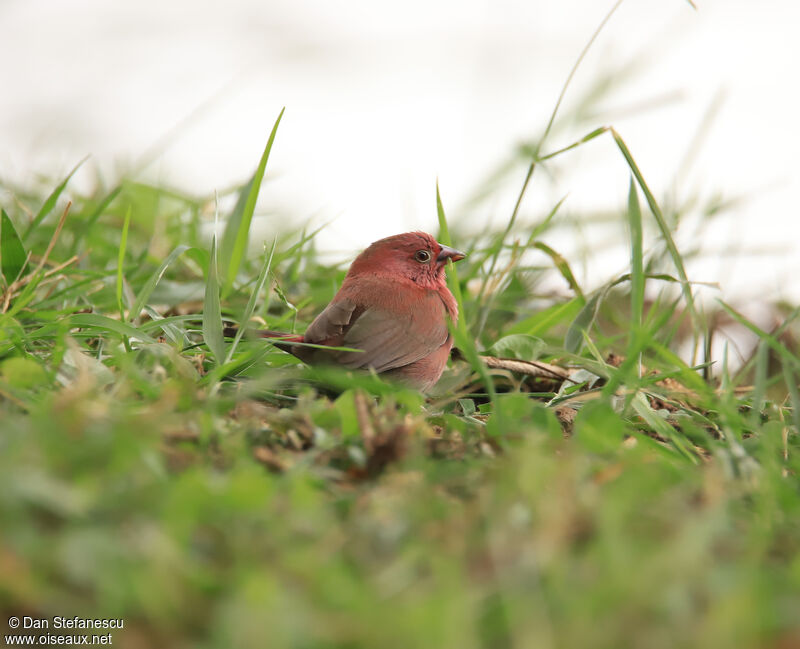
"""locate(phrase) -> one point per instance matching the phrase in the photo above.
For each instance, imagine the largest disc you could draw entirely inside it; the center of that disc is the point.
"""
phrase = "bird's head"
(414, 255)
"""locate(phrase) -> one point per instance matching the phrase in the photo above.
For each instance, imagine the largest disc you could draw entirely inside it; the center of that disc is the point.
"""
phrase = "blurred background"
(383, 99)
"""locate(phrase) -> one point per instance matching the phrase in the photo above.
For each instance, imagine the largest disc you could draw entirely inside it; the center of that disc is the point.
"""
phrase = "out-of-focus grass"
(221, 495)
(213, 492)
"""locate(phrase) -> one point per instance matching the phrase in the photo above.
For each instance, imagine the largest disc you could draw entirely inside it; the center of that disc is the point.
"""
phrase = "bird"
(393, 308)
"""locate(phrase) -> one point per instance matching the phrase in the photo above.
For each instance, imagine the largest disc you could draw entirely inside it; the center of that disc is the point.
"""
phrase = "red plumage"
(394, 306)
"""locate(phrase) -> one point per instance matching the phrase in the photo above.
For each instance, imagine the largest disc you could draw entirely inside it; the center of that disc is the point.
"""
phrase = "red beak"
(447, 252)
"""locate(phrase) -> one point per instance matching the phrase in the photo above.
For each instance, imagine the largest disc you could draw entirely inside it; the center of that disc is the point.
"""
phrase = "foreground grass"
(213, 493)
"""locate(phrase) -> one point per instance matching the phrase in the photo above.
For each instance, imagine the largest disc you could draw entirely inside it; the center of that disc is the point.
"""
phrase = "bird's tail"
(231, 332)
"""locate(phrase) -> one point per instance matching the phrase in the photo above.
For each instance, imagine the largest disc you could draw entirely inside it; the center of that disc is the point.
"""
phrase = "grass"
(212, 492)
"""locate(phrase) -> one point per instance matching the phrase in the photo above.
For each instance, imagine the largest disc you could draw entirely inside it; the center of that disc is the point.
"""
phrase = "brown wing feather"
(387, 340)
(331, 323)
(390, 341)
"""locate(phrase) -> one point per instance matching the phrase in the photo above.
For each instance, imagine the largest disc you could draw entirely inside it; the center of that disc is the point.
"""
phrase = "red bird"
(393, 306)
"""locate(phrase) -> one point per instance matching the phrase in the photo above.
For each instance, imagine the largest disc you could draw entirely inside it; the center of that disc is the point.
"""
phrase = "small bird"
(393, 306)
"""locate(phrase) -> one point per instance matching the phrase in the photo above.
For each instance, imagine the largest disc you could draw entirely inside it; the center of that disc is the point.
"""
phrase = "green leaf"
(598, 428)
(51, 200)
(573, 340)
(510, 414)
(22, 372)
(520, 346)
(12, 252)
(212, 312)
(545, 320)
(348, 418)
(237, 230)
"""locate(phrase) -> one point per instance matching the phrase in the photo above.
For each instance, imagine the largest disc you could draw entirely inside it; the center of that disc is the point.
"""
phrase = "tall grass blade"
(638, 278)
(93, 217)
(665, 231)
(50, 201)
(108, 325)
(573, 339)
(251, 303)
(212, 312)
(794, 395)
(123, 244)
(769, 339)
(237, 230)
(12, 252)
(151, 283)
(563, 267)
(463, 340)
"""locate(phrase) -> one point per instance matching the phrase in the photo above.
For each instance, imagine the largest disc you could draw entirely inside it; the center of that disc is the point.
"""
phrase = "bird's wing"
(389, 340)
(331, 323)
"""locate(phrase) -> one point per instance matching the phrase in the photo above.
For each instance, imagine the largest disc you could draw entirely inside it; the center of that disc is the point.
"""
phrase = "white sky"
(384, 98)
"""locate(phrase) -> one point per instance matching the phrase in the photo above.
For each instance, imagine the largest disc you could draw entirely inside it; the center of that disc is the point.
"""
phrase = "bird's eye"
(422, 256)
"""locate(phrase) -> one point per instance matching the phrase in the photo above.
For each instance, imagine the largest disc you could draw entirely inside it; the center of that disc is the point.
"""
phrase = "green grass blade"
(638, 278)
(663, 228)
(212, 312)
(563, 267)
(573, 339)
(545, 320)
(12, 252)
(794, 396)
(123, 244)
(108, 325)
(50, 201)
(251, 303)
(769, 339)
(759, 383)
(586, 138)
(152, 281)
(237, 230)
(463, 340)
(93, 217)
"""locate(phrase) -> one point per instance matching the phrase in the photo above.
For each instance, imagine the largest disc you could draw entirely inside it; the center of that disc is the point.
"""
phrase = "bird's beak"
(447, 252)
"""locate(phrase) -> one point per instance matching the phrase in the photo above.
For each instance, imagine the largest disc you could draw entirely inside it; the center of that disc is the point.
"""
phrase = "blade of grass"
(460, 333)
(95, 215)
(32, 279)
(106, 324)
(50, 201)
(237, 230)
(794, 395)
(123, 244)
(638, 277)
(665, 233)
(251, 303)
(550, 122)
(573, 339)
(759, 384)
(769, 339)
(155, 278)
(12, 252)
(563, 267)
(212, 312)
